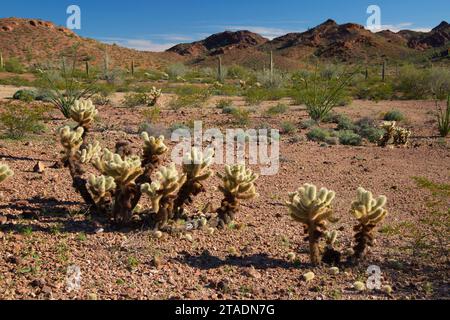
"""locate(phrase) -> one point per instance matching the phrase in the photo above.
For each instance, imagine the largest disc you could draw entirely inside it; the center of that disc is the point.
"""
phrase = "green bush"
(288, 127)
(241, 116)
(224, 103)
(371, 133)
(254, 96)
(318, 134)
(135, 99)
(306, 124)
(443, 119)
(375, 90)
(177, 70)
(345, 123)
(18, 121)
(394, 115)
(349, 138)
(13, 65)
(24, 95)
(228, 110)
(278, 109)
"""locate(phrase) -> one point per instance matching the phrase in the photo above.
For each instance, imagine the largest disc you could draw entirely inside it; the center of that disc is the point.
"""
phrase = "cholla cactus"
(124, 171)
(163, 191)
(101, 187)
(5, 172)
(154, 95)
(71, 140)
(314, 211)
(394, 135)
(369, 212)
(88, 154)
(238, 184)
(153, 147)
(196, 168)
(83, 112)
(401, 136)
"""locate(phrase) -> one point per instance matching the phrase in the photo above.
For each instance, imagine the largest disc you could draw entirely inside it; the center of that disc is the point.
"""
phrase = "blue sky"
(156, 25)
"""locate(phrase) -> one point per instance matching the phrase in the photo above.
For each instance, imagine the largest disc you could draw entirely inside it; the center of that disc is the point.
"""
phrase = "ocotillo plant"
(5, 172)
(369, 212)
(238, 184)
(314, 211)
(196, 168)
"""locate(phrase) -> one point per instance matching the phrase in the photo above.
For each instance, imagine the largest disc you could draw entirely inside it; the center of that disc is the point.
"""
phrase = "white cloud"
(266, 32)
(401, 26)
(139, 44)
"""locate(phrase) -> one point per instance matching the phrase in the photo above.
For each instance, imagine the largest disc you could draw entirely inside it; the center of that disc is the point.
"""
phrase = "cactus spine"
(369, 212)
(238, 184)
(314, 211)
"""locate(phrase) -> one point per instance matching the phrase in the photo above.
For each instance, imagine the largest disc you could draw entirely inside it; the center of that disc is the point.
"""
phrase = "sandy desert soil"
(47, 229)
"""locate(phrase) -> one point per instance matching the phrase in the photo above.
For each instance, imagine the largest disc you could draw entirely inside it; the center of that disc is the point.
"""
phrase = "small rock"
(334, 270)
(188, 237)
(39, 167)
(38, 283)
(211, 231)
(291, 256)
(99, 230)
(3, 220)
(157, 234)
(224, 286)
(253, 273)
(359, 286)
(47, 290)
(309, 276)
(92, 296)
(156, 261)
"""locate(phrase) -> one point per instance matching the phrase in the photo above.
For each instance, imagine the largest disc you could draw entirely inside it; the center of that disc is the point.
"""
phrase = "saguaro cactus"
(132, 67)
(2, 62)
(162, 193)
(271, 67)
(5, 172)
(196, 168)
(87, 67)
(238, 184)
(314, 211)
(383, 71)
(369, 212)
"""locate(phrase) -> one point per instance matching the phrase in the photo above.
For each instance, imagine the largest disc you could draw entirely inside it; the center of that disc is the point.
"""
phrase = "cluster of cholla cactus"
(154, 96)
(314, 210)
(5, 172)
(394, 135)
(125, 177)
(238, 184)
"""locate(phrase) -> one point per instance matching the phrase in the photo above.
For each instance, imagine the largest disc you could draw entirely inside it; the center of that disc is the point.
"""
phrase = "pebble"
(334, 270)
(309, 276)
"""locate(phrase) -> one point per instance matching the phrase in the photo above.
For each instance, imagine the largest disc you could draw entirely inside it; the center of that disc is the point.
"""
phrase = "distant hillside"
(36, 41)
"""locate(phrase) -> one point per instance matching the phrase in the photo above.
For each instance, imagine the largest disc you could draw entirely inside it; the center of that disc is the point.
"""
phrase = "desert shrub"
(345, 123)
(135, 99)
(254, 95)
(318, 134)
(321, 96)
(241, 116)
(413, 82)
(306, 124)
(19, 121)
(349, 138)
(13, 65)
(238, 72)
(288, 127)
(371, 133)
(189, 101)
(152, 114)
(226, 90)
(277, 80)
(375, 91)
(439, 82)
(278, 109)
(177, 70)
(24, 95)
(443, 119)
(223, 103)
(394, 115)
(228, 110)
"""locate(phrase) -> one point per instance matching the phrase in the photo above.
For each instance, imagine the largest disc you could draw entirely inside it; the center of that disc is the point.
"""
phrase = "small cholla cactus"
(369, 212)
(314, 211)
(154, 95)
(71, 140)
(196, 168)
(124, 171)
(163, 191)
(238, 184)
(83, 112)
(101, 187)
(243, 84)
(394, 135)
(153, 147)
(401, 136)
(89, 153)
(5, 172)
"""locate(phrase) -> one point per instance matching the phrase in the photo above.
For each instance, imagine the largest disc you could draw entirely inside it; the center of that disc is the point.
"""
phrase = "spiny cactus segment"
(101, 187)
(83, 112)
(5, 172)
